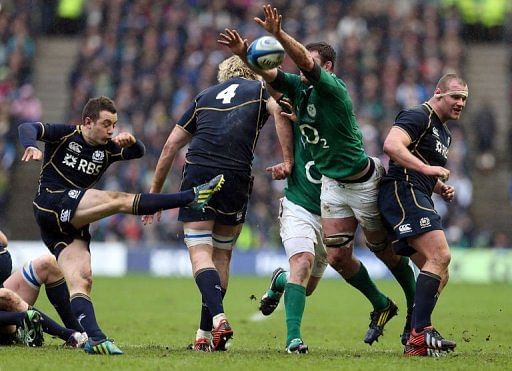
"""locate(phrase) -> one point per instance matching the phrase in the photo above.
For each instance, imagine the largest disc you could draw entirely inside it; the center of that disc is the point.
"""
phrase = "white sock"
(203, 334)
(216, 320)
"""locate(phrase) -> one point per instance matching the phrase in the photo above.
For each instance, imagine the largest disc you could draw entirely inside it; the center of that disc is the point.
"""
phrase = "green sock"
(294, 303)
(362, 281)
(280, 284)
(405, 277)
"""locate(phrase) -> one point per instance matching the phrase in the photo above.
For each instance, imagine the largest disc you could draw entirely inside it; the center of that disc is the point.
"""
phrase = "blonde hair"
(235, 67)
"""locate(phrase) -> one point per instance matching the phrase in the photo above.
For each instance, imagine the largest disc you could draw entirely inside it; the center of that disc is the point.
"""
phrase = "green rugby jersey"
(304, 183)
(327, 123)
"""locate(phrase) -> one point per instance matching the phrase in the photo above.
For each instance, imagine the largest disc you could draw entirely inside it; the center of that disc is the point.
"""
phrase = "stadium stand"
(154, 57)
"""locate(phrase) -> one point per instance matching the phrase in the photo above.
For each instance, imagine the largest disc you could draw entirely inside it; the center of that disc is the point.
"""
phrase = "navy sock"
(83, 311)
(11, 318)
(427, 286)
(53, 328)
(150, 203)
(58, 295)
(208, 281)
(206, 323)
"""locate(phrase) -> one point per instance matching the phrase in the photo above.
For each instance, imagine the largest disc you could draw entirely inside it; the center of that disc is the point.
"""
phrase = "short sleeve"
(413, 121)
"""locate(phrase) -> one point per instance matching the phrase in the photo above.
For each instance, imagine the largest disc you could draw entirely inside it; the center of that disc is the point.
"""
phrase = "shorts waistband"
(363, 178)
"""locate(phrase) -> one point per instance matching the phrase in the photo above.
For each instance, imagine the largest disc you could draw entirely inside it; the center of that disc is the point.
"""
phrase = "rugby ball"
(265, 53)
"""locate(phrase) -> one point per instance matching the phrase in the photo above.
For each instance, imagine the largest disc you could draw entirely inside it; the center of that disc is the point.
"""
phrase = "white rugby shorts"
(343, 200)
(301, 231)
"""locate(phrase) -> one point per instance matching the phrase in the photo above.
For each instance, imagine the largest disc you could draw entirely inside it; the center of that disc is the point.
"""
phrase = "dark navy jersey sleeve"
(70, 162)
(225, 121)
(413, 122)
(430, 140)
(188, 120)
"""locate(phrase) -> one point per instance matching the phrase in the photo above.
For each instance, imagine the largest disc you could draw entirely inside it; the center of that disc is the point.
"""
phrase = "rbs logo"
(89, 168)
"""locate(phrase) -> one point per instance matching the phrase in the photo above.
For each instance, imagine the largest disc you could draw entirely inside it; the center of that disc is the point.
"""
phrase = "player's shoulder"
(412, 114)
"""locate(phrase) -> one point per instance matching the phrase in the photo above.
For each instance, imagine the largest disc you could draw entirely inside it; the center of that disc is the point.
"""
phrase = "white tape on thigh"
(194, 237)
(223, 242)
(29, 274)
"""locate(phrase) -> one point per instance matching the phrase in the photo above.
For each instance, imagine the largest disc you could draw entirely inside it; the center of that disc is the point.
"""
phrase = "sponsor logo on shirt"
(70, 160)
(405, 228)
(435, 132)
(98, 156)
(65, 215)
(74, 193)
(75, 147)
(311, 110)
(425, 222)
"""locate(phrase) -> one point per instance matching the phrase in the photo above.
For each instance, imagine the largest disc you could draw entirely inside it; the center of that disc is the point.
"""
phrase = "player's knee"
(31, 273)
(196, 237)
(339, 259)
(377, 246)
(223, 242)
(443, 258)
(339, 240)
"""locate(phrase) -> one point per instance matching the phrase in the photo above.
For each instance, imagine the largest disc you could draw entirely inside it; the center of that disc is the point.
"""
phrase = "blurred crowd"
(153, 57)
(17, 100)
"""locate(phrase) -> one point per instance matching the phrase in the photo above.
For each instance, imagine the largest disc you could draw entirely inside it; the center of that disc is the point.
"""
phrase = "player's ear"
(87, 121)
(328, 66)
(437, 93)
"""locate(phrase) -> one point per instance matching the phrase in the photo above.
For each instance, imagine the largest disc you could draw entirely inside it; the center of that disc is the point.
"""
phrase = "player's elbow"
(389, 147)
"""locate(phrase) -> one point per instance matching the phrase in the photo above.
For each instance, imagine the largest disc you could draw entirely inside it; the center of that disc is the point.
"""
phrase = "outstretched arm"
(297, 52)
(28, 134)
(238, 46)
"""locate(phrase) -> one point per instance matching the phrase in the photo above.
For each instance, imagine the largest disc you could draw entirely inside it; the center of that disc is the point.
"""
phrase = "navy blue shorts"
(229, 205)
(53, 210)
(407, 212)
(5, 265)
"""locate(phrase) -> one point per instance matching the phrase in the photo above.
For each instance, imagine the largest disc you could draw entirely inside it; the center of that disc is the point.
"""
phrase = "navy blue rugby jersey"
(225, 121)
(69, 162)
(430, 142)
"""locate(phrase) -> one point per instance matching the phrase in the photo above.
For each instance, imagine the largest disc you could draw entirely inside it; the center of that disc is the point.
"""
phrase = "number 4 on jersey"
(227, 94)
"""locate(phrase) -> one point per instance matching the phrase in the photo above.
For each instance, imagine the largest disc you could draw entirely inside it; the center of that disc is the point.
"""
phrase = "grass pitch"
(154, 319)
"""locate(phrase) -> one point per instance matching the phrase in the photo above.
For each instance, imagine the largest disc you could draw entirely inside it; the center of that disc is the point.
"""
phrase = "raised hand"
(233, 40)
(32, 153)
(272, 22)
(124, 140)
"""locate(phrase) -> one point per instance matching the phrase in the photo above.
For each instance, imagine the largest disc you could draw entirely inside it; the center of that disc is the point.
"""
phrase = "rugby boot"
(30, 332)
(201, 345)
(297, 346)
(378, 319)
(105, 346)
(432, 339)
(421, 351)
(270, 300)
(204, 192)
(76, 340)
(220, 335)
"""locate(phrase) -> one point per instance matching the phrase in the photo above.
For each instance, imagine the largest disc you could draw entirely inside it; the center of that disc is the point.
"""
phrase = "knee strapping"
(338, 240)
(377, 246)
(223, 242)
(194, 237)
(29, 274)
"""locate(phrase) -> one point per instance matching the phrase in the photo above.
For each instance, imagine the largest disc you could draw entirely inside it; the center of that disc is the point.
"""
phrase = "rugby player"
(19, 321)
(222, 126)
(331, 134)
(417, 145)
(75, 158)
